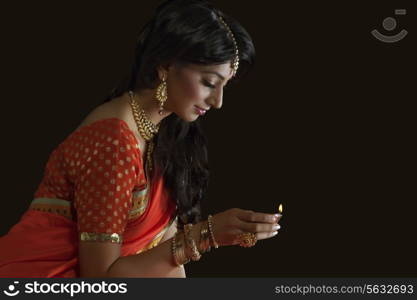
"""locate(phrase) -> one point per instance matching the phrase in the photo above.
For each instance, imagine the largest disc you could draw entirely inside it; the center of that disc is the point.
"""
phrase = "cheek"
(192, 91)
(188, 89)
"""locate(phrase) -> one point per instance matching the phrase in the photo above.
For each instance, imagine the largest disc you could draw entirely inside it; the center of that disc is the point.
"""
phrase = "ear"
(163, 71)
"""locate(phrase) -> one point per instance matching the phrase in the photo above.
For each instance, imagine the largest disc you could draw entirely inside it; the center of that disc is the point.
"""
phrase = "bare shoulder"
(115, 108)
(119, 108)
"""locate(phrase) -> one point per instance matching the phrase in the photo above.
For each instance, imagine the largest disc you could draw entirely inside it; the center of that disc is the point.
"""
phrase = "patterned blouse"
(96, 178)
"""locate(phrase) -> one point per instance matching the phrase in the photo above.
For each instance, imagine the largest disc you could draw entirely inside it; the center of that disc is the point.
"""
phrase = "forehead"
(224, 70)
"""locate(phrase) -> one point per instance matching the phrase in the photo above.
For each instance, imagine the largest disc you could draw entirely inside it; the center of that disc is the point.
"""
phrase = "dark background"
(323, 124)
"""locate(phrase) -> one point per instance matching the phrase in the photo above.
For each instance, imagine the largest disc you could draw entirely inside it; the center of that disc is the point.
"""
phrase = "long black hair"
(184, 31)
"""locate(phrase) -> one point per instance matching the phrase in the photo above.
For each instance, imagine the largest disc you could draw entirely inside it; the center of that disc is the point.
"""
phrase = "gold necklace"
(146, 128)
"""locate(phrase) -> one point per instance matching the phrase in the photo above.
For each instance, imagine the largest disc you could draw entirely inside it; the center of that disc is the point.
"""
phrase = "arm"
(98, 259)
(104, 178)
(180, 271)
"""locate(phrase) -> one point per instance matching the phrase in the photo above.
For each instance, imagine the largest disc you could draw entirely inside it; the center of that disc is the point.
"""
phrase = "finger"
(258, 227)
(266, 235)
(278, 217)
(256, 217)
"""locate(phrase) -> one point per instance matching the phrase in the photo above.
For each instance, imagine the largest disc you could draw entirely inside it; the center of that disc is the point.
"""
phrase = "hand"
(229, 224)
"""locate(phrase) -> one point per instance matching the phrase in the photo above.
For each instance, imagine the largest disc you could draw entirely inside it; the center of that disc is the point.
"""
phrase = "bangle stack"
(184, 248)
(178, 249)
(195, 255)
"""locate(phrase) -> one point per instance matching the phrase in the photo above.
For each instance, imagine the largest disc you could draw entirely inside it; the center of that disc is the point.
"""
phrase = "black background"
(324, 124)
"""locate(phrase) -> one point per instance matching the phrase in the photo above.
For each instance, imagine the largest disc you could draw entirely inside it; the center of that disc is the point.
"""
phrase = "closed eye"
(208, 84)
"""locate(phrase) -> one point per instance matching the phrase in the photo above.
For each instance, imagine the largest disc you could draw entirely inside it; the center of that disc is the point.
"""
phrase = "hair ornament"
(235, 61)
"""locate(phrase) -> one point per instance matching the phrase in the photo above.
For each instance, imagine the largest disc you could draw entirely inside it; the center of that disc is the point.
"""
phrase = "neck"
(146, 100)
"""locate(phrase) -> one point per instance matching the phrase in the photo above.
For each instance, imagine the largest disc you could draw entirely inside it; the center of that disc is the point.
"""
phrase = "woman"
(116, 190)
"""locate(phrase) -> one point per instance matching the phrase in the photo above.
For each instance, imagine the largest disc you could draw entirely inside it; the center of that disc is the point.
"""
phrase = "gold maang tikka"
(235, 61)
(146, 128)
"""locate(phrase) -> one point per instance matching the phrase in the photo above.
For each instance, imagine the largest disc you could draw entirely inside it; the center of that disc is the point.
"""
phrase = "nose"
(216, 100)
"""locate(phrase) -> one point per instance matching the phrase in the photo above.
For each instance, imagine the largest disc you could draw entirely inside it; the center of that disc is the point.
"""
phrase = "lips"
(200, 110)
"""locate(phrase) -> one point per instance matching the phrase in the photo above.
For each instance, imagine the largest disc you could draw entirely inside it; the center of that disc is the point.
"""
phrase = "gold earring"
(162, 95)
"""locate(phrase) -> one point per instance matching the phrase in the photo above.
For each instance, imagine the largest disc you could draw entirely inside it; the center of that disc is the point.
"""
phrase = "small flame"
(280, 208)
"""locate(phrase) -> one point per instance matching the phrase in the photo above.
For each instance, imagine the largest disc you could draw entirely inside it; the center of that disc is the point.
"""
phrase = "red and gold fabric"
(94, 189)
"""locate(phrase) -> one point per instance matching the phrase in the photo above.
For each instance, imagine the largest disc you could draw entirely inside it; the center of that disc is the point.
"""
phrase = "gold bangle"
(204, 244)
(181, 250)
(210, 227)
(174, 250)
(189, 241)
(178, 250)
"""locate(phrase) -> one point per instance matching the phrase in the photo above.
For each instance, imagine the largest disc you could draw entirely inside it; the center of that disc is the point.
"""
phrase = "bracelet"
(189, 241)
(178, 250)
(174, 250)
(180, 241)
(181, 250)
(204, 244)
(210, 227)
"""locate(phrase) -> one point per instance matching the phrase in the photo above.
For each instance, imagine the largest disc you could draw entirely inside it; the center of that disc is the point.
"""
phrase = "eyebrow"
(215, 73)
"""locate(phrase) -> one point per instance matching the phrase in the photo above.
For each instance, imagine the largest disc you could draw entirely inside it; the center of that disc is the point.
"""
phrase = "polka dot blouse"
(96, 169)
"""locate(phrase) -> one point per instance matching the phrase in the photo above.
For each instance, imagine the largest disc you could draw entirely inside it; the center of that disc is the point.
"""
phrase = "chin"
(188, 117)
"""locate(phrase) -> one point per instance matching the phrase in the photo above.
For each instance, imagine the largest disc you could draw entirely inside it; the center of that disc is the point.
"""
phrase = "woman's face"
(194, 89)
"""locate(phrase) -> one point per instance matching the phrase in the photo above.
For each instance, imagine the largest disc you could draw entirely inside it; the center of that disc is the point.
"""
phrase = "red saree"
(94, 189)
